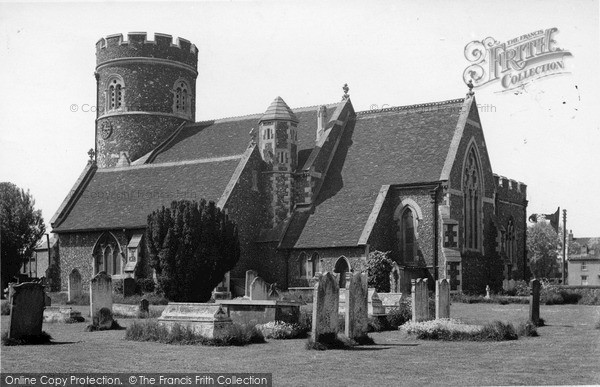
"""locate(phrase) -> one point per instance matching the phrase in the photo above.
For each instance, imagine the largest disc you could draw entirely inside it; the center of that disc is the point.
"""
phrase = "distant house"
(39, 262)
(584, 266)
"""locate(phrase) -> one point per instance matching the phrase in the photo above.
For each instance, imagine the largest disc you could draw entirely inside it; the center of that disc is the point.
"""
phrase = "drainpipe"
(434, 196)
(97, 76)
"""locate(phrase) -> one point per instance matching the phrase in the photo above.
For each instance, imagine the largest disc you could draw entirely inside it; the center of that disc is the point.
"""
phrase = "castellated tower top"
(137, 45)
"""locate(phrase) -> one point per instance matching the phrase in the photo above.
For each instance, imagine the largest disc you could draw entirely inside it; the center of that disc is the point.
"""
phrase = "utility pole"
(564, 265)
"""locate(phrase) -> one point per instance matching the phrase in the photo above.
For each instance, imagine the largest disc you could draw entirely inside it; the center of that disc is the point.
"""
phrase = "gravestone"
(250, 276)
(100, 293)
(511, 284)
(26, 310)
(487, 292)
(259, 289)
(357, 306)
(442, 299)
(395, 279)
(505, 285)
(534, 301)
(144, 306)
(375, 306)
(74, 284)
(325, 308)
(128, 287)
(420, 301)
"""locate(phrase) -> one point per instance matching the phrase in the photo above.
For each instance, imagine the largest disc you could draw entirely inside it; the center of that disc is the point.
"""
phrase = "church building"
(311, 189)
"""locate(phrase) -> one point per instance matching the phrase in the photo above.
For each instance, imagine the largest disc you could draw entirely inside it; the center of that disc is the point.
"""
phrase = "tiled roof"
(230, 136)
(123, 197)
(392, 146)
(279, 110)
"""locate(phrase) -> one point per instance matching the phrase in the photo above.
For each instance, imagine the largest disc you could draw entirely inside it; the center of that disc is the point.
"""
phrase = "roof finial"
(91, 153)
(346, 89)
(470, 85)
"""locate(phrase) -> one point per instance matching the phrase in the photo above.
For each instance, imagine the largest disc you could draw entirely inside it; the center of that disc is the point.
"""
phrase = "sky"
(394, 53)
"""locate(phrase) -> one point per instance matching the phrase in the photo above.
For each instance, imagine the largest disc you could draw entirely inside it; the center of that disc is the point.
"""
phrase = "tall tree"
(191, 246)
(21, 226)
(543, 244)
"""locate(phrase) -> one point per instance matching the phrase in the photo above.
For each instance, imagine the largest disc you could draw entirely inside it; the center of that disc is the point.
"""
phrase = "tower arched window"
(182, 101)
(472, 192)
(115, 93)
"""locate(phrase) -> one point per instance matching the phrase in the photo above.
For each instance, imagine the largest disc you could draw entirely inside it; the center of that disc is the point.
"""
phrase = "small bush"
(400, 315)
(5, 308)
(378, 324)
(145, 285)
(282, 330)
(151, 331)
(454, 330)
(41, 339)
(527, 329)
(117, 286)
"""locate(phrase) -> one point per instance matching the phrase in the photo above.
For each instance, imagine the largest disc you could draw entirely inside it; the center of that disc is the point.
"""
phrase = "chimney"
(321, 120)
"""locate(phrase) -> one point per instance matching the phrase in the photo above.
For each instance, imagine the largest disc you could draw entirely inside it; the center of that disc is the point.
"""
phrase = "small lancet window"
(115, 94)
(182, 98)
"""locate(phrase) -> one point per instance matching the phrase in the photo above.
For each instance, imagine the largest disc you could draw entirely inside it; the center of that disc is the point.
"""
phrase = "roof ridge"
(409, 107)
(301, 109)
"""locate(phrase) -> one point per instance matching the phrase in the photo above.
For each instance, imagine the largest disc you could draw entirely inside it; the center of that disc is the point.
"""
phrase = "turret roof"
(279, 110)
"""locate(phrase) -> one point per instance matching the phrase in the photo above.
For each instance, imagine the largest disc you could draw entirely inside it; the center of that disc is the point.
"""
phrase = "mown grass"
(566, 352)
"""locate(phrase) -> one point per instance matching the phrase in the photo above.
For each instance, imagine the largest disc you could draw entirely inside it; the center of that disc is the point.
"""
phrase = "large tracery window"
(182, 98)
(107, 255)
(115, 92)
(472, 201)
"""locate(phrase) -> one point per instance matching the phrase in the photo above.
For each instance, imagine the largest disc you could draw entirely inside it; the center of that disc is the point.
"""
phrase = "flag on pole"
(553, 218)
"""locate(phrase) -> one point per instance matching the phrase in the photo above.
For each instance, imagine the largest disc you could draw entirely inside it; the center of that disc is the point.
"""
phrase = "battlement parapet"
(509, 189)
(137, 45)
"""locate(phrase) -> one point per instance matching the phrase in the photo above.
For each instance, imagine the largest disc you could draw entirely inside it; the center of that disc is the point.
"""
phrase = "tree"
(379, 267)
(191, 246)
(21, 227)
(543, 244)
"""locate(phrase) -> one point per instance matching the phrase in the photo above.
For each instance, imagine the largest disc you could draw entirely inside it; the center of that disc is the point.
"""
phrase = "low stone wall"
(62, 314)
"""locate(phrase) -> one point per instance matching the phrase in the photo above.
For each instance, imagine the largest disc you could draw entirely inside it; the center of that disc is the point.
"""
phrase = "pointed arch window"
(313, 265)
(407, 216)
(115, 93)
(408, 235)
(472, 192)
(303, 260)
(107, 255)
(182, 101)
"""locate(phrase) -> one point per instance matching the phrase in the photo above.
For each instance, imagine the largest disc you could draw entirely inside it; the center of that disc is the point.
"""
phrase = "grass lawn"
(567, 352)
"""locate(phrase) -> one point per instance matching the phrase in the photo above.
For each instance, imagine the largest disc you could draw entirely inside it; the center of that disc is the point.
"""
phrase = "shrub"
(498, 331)
(235, 334)
(43, 338)
(145, 285)
(522, 288)
(379, 267)
(5, 308)
(117, 285)
(400, 315)
(527, 329)
(282, 330)
(305, 319)
(103, 321)
(378, 324)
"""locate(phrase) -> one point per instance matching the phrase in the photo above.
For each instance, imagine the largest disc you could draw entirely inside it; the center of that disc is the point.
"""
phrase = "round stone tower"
(145, 91)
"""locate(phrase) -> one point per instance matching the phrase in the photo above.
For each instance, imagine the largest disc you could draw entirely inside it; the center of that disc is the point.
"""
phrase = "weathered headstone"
(26, 310)
(534, 301)
(420, 301)
(442, 299)
(375, 306)
(259, 289)
(325, 308)
(100, 293)
(395, 279)
(505, 285)
(357, 306)
(250, 276)
(74, 284)
(144, 306)
(128, 287)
